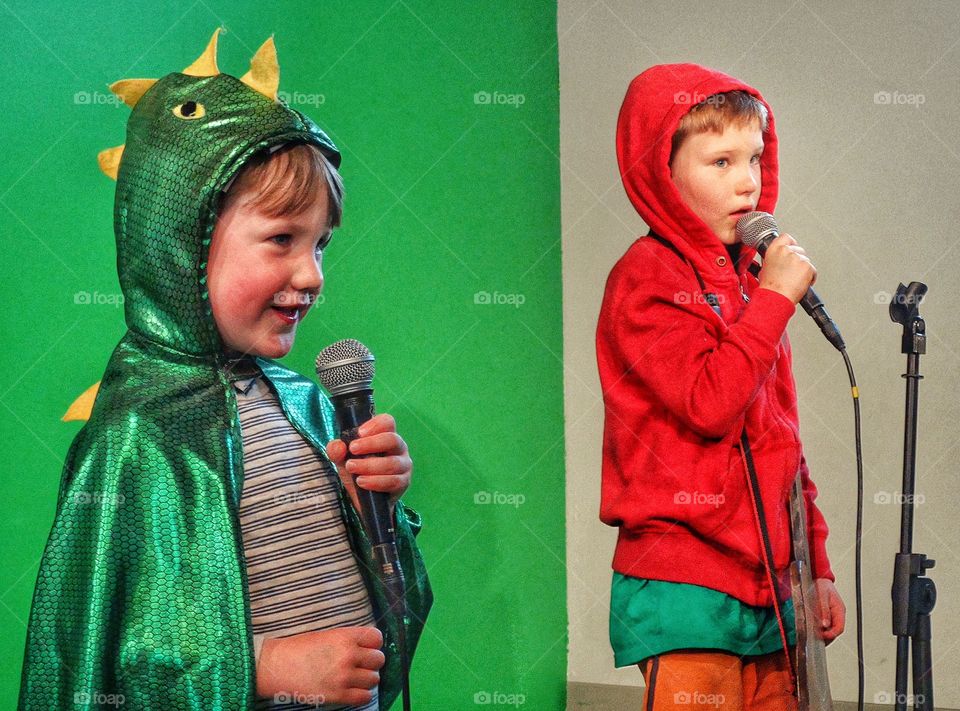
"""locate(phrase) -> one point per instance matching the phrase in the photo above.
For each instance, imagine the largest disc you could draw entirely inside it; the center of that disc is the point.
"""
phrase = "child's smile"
(264, 274)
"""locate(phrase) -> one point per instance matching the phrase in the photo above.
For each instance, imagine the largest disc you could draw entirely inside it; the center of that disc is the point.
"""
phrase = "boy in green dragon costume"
(142, 598)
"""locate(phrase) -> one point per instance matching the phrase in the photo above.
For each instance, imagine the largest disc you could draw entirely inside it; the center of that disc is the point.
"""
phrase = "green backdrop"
(447, 267)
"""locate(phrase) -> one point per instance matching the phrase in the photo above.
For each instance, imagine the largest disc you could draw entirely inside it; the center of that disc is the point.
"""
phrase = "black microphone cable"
(758, 229)
(855, 393)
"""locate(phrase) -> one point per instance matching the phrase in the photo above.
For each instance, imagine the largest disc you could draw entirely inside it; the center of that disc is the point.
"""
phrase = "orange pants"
(717, 681)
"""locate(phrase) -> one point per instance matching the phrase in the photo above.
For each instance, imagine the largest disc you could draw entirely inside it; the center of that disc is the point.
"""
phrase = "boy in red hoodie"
(693, 354)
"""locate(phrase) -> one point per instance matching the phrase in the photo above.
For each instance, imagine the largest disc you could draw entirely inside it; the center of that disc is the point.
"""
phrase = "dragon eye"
(189, 110)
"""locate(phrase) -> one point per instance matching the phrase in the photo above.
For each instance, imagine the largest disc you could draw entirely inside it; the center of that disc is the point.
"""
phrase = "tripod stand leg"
(903, 662)
(922, 666)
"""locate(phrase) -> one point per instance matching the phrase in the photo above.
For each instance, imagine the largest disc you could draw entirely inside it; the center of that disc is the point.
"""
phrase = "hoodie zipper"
(733, 265)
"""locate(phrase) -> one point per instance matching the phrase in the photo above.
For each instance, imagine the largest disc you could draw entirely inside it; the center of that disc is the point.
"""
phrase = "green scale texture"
(142, 591)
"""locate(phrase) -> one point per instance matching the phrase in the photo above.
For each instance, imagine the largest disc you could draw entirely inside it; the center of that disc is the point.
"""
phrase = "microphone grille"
(345, 366)
(754, 227)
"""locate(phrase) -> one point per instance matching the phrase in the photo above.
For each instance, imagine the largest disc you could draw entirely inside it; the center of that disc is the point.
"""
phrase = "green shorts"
(649, 617)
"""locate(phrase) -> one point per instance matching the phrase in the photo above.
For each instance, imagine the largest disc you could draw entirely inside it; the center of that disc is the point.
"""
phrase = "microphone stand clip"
(914, 595)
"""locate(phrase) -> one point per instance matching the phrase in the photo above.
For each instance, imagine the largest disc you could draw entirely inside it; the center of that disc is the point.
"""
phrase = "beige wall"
(872, 191)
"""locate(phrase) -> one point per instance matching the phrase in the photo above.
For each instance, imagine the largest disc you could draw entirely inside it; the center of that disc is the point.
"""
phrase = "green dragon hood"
(187, 136)
(141, 597)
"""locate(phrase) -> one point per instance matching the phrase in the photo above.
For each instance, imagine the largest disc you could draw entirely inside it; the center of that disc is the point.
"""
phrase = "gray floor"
(608, 697)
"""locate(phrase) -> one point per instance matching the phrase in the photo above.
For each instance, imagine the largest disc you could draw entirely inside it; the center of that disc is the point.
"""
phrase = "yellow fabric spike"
(206, 64)
(130, 90)
(109, 160)
(264, 74)
(83, 405)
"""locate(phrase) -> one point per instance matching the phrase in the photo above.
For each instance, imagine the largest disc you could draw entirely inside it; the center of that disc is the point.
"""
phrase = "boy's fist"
(787, 269)
(335, 666)
(833, 613)
(389, 471)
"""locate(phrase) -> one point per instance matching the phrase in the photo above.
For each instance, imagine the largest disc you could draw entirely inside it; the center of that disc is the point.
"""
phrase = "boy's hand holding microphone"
(787, 269)
(388, 472)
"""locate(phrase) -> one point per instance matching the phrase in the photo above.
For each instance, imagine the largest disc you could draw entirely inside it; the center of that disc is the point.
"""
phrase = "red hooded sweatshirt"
(680, 383)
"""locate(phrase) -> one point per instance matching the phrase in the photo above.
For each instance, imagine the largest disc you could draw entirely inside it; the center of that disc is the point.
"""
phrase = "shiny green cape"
(141, 598)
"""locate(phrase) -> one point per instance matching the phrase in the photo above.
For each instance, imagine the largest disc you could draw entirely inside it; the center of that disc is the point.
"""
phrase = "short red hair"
(718, 111)
(287, 181)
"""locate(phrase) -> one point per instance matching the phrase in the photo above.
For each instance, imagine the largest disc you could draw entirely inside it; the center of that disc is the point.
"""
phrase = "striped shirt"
(301, 571)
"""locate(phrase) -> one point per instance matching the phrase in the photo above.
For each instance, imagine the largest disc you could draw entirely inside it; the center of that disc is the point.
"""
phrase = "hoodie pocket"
(730, 500)
(704, 500)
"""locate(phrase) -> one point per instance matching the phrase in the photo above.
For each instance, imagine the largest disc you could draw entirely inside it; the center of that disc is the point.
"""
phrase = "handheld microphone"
(758, 230)
(346, 370)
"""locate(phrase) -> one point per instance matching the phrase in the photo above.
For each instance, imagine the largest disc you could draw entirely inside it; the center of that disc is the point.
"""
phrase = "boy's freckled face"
(264, 274)
(718, 176)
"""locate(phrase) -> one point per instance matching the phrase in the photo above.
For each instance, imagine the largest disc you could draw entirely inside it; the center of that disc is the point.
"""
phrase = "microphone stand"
(914, 595)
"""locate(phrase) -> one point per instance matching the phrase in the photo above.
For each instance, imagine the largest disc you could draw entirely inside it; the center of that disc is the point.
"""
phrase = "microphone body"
(352, 410)
(346, 370)
(758, 230)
